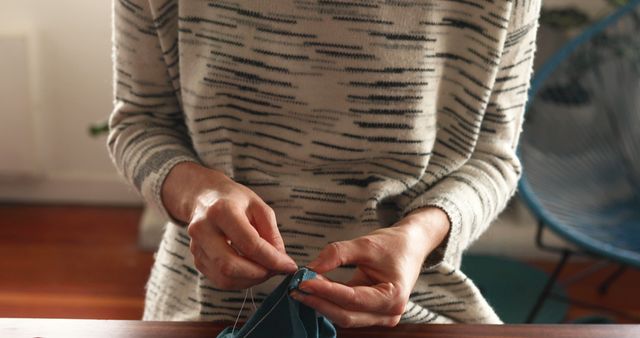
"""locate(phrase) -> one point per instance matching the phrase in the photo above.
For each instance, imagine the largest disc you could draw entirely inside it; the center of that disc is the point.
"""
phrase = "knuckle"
(271, 215)
(346, 321)
(193, 229)
(357, 301)
(224, 283)
(400, 301)
(388, 289)
(397, 309)
(217, 262)
(218, 207)
(370, 244)
(334, 249)
(367, 241)
(261, 275)
(392, 321)
(227, 268)
(198, 265)
(251, 247)
(265, 211)
(397, 299)
(395, 292)
(196, 254)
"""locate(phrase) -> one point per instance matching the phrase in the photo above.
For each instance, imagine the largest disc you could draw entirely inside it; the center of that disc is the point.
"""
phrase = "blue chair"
(580, 146)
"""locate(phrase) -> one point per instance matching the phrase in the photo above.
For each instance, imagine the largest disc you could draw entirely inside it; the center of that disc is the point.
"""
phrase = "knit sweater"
(343, 116)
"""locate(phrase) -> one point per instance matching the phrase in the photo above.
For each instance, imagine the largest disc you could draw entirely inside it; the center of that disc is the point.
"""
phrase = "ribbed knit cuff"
(151, 188)
(450, 244)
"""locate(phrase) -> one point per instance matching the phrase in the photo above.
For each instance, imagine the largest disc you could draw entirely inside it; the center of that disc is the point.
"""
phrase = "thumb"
(360, 279)
(264, 221)
(337, 254)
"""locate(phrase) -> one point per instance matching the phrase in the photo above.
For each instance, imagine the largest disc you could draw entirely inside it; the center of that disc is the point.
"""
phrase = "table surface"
(24, 327)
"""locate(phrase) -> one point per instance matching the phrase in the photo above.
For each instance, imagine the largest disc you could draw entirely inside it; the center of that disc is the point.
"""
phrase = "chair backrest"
(588, 95)
(580, 145)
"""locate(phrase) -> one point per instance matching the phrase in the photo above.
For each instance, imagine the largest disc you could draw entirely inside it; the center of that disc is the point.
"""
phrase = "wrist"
(182, 186)
(433, 222)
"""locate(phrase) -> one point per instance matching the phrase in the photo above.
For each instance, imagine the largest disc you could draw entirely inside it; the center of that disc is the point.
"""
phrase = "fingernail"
(297, 295)
(292, 266)
(305, 290)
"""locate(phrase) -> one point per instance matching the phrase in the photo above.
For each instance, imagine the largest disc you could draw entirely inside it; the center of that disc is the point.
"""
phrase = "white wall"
(70, 89)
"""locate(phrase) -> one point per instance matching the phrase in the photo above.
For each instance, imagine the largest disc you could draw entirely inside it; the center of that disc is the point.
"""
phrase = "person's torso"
(337, 113)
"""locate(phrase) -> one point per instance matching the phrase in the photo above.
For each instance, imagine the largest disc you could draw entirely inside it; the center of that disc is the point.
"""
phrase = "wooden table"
(18, 328)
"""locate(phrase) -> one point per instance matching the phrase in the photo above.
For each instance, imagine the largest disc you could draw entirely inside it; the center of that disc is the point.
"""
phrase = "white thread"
(246, 292)
(266, 314)
(252, 301)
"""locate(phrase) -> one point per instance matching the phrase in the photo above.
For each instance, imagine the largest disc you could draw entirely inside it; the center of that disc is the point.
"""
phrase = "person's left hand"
(388, 263)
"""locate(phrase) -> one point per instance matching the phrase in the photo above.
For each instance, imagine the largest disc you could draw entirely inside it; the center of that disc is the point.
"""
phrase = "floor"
(84, 262)
(71, 262)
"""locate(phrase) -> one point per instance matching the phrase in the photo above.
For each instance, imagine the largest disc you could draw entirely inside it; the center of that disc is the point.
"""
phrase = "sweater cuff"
(157, 169)
(449, 245)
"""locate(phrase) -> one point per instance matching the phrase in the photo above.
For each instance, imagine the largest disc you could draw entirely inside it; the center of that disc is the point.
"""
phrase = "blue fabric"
(282, 316)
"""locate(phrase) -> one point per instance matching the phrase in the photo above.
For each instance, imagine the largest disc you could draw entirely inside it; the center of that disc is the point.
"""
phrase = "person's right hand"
(235, 240)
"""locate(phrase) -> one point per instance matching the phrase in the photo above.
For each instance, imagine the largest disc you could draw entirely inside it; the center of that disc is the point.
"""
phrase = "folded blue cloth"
(284, 317)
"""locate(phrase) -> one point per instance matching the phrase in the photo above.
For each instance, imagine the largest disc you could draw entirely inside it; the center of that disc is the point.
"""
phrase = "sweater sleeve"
(474, 194)
(147, 132)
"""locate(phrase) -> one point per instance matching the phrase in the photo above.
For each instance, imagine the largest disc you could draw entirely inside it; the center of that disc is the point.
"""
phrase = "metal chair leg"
(548, 287)
(580, 303)
(604, 286)
(565, 255)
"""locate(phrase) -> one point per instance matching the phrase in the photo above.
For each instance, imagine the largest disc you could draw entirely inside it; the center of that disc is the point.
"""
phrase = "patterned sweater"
(342, 115)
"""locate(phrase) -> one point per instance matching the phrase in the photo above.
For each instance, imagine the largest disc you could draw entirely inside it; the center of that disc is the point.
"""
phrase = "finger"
(246, 239)
(225, 282)
(342, 317)
(199, 257)
(359, 279)
(219, 259)
(203, 264)
(264, 220)
(321, 277)
(224, 259)
(380, 298)
(337, 254)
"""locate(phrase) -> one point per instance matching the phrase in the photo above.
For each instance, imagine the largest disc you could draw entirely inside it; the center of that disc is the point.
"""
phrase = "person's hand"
(388, 263)
(235, 240)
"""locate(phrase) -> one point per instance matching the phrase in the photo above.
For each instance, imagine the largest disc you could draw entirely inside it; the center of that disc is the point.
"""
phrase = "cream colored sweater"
(342, 115)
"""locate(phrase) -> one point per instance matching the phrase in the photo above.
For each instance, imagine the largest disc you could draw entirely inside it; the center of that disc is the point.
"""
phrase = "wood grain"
(71, 262)
(18, 328)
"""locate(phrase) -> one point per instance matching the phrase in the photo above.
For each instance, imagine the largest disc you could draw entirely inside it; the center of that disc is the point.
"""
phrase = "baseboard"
(68, 189)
